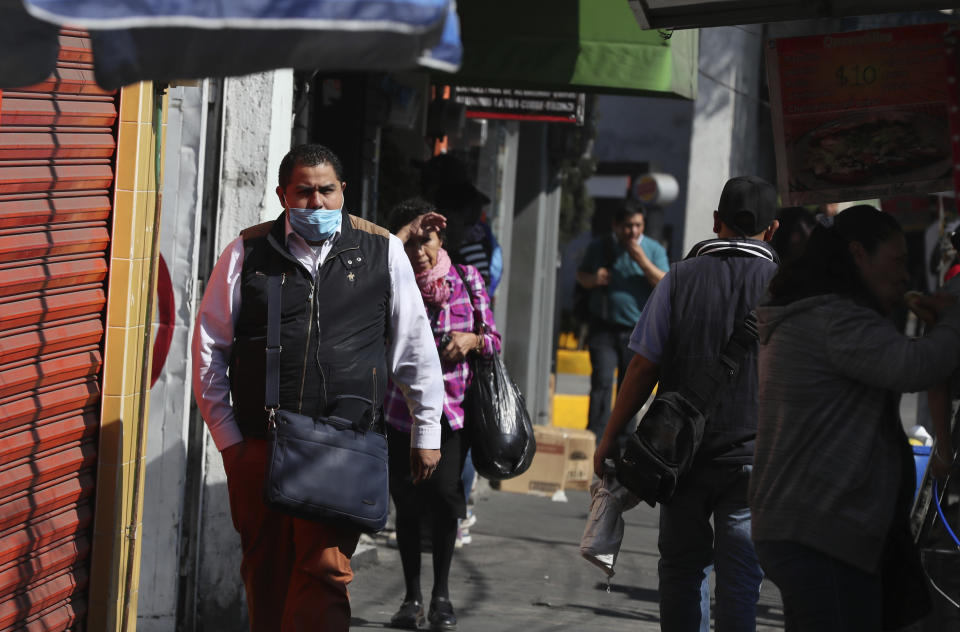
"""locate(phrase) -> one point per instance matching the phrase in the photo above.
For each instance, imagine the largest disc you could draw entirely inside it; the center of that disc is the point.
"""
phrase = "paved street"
(523, 571)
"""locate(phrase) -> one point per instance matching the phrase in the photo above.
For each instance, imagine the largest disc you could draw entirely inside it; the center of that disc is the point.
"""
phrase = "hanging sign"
(860, 115)
(521, 105)
(656, 188)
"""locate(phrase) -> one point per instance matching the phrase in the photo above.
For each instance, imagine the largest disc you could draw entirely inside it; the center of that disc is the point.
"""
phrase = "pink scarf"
(433, 282)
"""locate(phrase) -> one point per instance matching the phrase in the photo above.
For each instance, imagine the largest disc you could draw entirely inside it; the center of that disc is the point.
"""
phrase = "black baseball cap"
(455, 195)
(444, 180)
(748, 204)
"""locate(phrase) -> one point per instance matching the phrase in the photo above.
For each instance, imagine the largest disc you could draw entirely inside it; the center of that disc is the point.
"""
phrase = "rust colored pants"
(295, 571)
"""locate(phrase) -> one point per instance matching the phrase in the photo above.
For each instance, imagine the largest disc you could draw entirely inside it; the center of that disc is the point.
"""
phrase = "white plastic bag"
(603, 534)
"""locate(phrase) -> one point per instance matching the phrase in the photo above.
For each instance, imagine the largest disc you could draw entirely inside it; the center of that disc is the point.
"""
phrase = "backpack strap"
(705, 387)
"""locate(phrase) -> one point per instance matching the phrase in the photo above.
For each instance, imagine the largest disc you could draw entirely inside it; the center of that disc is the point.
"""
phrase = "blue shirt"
(622, 301)
(649, 337)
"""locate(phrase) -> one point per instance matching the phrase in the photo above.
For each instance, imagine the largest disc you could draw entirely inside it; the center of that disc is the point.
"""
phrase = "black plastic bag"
(497, 422)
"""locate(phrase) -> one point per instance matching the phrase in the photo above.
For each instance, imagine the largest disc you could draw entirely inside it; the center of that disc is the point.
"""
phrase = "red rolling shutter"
(57, 148)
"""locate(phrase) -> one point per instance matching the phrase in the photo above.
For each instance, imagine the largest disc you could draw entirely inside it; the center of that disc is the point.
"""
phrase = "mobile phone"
(445, 340)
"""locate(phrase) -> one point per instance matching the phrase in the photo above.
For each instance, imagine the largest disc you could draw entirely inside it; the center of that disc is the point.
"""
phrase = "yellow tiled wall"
(122, 420)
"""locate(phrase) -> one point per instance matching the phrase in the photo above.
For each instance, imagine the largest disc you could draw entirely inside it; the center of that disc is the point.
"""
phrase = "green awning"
(582, 45)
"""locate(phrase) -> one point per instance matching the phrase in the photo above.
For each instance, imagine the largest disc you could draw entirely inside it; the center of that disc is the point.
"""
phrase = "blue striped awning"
(162, 40)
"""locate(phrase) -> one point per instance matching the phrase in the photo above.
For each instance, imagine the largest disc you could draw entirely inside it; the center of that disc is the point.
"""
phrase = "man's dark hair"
(408, 210)
(826, 265)
(309, 155)
(626, 211)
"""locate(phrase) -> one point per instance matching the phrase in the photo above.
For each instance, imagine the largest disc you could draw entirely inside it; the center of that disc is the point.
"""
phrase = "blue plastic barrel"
(921, 456)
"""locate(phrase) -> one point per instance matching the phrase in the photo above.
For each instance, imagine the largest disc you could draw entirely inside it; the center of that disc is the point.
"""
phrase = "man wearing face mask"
(351, 315)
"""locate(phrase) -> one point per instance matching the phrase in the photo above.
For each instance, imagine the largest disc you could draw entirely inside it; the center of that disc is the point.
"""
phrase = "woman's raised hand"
(430, 222)
(422, 225)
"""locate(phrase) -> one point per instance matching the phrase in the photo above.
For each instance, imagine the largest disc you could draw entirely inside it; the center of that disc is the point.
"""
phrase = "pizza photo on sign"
(869, 149)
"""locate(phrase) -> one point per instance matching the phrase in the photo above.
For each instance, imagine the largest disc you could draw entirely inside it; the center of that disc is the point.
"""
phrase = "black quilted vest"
(333, 328)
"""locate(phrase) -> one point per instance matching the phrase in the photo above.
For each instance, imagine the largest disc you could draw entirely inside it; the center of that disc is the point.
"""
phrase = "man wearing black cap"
(469, 238)
(444, 180)
(687, 322)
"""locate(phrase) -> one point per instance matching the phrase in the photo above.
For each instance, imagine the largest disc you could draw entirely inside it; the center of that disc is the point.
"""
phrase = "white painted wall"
(725, 139)
(256, 134)
(498, 178)
(531, 284)
(257, 121)
(169, 397)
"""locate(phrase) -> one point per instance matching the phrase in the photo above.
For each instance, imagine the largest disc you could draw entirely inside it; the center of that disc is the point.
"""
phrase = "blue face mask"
(314, 224)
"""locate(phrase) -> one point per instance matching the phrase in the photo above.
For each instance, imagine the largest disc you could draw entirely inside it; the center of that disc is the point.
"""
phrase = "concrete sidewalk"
(523, 571)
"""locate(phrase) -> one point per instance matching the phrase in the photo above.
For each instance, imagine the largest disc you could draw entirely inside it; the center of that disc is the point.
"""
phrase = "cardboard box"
(564, 460)
(547, 472)
(580, 446)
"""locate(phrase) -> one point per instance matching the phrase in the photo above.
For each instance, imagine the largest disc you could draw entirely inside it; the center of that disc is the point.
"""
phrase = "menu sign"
(861, 115)
(521, 105)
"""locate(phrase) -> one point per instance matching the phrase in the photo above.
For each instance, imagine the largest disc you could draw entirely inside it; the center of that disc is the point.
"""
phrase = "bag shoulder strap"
(272, 395)
(704, 389)
(609, 251)
(478, 322)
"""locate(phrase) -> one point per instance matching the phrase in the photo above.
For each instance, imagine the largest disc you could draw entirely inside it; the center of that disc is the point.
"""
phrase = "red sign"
(861, 115)
(645, 189)
(166, 320)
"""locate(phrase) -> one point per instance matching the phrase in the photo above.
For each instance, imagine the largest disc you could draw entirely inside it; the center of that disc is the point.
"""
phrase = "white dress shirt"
(412, 356)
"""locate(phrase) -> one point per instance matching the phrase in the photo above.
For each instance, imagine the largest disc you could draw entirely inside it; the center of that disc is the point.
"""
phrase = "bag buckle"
(272, 418)
(730, 365)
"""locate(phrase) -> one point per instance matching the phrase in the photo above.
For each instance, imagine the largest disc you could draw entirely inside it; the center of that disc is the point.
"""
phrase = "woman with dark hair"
(453, 296)
(833, 474)
(796, 224)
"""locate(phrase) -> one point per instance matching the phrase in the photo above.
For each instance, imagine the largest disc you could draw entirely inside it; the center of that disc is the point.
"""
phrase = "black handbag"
(663, 448)
(498, 425)
(332, 468)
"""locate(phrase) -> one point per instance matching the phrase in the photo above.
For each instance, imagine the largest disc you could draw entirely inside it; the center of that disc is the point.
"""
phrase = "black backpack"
(663, 448)
(668, 436)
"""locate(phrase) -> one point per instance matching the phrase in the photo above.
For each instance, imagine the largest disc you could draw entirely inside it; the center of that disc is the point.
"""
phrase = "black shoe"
(409, 616)
(441, 615)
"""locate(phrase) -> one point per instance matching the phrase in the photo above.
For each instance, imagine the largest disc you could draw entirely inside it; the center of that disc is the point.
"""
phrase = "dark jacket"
(829, 459)
(711, 290)
(333, 328)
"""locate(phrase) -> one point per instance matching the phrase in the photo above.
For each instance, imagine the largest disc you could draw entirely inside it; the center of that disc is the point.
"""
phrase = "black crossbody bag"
(668, 436)
(332, 468)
